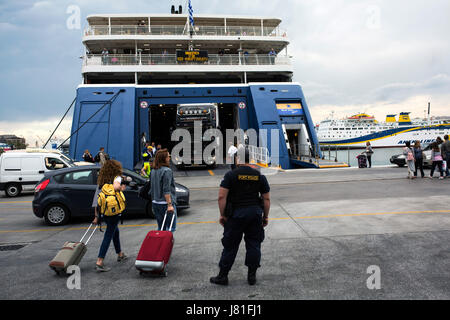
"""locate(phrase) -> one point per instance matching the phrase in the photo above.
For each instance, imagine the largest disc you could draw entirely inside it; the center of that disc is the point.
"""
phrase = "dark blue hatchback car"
(69, 192)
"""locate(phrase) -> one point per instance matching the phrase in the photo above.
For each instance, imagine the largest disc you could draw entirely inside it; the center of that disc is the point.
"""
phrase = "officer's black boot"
(221, 278)
(251, 278)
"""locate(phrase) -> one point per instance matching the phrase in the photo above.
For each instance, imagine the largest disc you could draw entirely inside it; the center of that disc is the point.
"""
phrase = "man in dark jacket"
(244, 204)
(445, 152)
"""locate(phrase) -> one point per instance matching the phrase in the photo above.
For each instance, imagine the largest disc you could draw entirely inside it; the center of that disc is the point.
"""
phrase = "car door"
(134, 203)
(79, 187)
(32, 171)
(11, 170)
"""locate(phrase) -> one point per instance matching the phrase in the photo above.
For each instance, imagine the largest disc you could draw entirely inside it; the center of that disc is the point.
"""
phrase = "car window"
(67, 159)
(54, 163)
(134, 176)
(77, 177)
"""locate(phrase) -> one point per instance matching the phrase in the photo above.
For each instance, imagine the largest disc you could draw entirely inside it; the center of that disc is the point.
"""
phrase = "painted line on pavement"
(6, 202)
(213, 222)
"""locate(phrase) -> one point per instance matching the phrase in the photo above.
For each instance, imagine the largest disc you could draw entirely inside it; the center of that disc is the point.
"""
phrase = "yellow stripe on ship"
(362, 141)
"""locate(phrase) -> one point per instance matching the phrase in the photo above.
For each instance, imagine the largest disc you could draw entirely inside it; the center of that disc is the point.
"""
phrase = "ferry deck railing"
(157, 30)
(313, 151)
(171, 59)
(259, 155)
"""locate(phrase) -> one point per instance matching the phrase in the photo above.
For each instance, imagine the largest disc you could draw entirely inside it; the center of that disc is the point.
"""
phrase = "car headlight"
(179, 190)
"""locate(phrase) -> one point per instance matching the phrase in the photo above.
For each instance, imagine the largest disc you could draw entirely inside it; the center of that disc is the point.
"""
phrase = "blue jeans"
(447, 170)
(111, 233)
(160, 210)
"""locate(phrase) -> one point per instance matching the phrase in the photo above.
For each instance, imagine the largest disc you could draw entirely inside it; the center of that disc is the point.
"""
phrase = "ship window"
(341, 128)
(335, 128)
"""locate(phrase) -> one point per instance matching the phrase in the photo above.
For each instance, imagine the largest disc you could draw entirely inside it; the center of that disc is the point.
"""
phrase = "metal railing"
(171, 59)
(159, 30)
(304, 151)
(259, 155)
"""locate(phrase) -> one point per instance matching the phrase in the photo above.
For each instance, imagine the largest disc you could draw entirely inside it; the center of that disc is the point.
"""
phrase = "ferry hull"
(116, 116)
(394, 137)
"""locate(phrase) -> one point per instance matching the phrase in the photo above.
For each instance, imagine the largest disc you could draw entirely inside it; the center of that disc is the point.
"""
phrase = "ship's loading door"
(296, 137)
(298, 142)
(228, 119)
(162, 122)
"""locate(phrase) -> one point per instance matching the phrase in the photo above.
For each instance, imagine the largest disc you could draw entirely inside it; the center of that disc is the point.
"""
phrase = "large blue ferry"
(139, 67)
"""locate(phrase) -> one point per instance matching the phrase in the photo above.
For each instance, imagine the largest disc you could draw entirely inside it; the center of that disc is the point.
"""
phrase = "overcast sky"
(350, 56)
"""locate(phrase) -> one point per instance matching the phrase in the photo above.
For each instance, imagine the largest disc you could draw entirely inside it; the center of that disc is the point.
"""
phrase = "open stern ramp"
(278, 112)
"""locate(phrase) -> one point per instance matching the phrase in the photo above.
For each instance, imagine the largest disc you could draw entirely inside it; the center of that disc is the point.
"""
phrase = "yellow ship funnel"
(404, 119)
(390, 118)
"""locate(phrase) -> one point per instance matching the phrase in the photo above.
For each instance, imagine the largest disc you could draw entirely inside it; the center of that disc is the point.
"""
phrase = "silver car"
(400, 159)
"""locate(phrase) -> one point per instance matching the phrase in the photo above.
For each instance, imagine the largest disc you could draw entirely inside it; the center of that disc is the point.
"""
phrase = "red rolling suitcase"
(155, 251)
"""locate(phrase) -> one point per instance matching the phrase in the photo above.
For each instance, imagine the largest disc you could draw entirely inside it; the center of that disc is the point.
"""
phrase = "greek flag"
(191, 15)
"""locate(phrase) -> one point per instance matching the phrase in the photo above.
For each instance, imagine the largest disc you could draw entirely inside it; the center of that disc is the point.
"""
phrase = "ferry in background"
(139, 67)
(356, 130)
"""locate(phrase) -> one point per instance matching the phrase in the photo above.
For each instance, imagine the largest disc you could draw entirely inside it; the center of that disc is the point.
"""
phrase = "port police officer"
(244, 204)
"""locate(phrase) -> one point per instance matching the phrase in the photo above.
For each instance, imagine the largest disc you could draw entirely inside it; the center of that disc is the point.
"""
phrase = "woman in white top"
(110, 173)
(409, 157)
(369, 153)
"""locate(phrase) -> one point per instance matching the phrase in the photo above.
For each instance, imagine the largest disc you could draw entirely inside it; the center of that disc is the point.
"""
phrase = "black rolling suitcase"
(362, 161)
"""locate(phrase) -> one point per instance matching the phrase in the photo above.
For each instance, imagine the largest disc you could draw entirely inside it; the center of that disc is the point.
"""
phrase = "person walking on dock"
(244, 205)
(369, 153)
(418, 158)
(436, 156)
(409, 154)
(445, 151)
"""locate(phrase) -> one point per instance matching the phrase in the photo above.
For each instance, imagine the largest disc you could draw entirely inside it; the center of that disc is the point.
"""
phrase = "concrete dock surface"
(343, 233)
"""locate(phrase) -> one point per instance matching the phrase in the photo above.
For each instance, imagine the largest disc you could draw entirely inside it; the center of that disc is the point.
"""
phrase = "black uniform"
(245, 185)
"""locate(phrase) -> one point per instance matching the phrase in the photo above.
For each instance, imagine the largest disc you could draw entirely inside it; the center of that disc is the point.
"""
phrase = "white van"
(21, 170)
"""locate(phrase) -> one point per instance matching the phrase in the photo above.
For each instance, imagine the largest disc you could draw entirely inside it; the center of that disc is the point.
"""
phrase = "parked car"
(69, 192)
(400, 159)
(21, 170)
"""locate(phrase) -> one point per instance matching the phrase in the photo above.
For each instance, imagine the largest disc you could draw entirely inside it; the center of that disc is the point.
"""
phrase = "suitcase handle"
(81, 240)
(164, 221)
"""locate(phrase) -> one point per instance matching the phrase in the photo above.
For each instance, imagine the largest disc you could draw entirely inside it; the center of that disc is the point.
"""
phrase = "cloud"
(37, 131)
(349, 55)
(396, 92)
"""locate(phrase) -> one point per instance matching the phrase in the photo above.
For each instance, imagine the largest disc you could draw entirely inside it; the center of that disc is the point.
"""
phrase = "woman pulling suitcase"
(111, 203)
(157, 246)
(163, 188)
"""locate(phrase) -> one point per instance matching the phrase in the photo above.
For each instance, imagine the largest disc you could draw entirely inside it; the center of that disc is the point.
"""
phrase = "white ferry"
(138, 68)
(356, 130)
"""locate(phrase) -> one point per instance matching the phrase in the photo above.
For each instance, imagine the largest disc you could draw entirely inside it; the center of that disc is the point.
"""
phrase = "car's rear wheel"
(149, 211)
(13, 190)
(56, 215)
